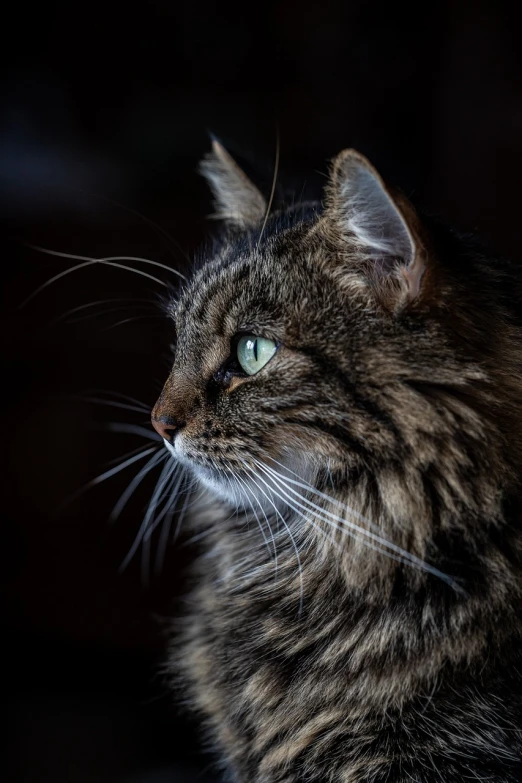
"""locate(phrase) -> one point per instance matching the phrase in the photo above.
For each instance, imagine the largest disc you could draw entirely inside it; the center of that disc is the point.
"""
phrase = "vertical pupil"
(255, 350)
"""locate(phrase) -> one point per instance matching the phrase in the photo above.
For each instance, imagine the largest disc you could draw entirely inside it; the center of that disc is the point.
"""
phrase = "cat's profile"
(347, 383)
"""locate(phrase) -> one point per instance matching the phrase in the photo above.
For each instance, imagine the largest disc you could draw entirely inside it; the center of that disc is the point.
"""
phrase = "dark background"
(105, 113)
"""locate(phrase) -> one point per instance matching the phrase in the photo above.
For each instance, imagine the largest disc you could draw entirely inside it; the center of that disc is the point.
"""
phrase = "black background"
(106, 109)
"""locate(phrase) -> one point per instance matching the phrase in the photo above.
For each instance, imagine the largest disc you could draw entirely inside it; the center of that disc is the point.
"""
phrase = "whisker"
(343, 521)
(109, 311)
(197, 537)
(122, 466)
(123, 456)
(289, 533)
(161, 550)
(323, 517)
(249, 495)
(163, 477)
(170, 497)
(107, 474)
(272, 193)
(134, 318)
(400, 553)
(183, 511)
(249, 498)
(133, 485)
(310, 521)
(320, 494)
(157, 498)
(127, 397)
(109, 261)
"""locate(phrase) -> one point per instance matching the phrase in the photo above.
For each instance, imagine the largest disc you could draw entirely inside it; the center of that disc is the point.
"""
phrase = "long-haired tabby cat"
(347, 383)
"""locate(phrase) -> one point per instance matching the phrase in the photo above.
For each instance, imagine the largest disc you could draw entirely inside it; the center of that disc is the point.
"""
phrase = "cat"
(347, 387)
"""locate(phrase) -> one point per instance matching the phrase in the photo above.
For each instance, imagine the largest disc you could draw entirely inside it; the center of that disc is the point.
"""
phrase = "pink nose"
(165, 426)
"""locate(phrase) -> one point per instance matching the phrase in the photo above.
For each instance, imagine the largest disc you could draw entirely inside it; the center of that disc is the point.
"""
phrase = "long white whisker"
(157, 498)
(170, 497)
(272, 536)
(165, 530)
(249, 498)
(107, 474)
(182, 512)
(272, 192)
(323, 517)
(275, 475)
(289, 533)
(309, 520)
(134, 318)
(235, 490)
(108, 261)
(164, 475)
(363, 531)
(118, 459)
(118, 468)
(122, 396)
(289, 502)
(400, 553)
(136, 481)
(197, 537)
(320, 494)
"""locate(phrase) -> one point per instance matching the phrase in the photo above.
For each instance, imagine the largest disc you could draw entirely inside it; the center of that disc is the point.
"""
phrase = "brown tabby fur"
(396, 390)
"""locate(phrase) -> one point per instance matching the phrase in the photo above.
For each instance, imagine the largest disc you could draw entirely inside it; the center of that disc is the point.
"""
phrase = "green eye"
(254, 352)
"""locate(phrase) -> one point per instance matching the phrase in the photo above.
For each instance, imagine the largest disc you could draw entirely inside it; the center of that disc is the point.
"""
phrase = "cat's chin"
(218, 486)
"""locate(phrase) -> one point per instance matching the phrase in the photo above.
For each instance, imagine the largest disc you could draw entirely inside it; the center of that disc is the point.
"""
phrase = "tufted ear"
(382, 227)
(237, 200)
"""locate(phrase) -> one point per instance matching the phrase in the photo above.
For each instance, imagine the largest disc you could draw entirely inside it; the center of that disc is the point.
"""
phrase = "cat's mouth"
(219, 479)
(266, 482)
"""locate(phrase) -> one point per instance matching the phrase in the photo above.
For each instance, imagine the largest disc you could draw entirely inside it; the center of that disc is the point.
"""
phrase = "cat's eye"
(254, 352)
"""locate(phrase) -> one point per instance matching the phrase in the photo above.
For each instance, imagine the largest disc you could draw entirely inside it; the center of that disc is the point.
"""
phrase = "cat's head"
(337, 346)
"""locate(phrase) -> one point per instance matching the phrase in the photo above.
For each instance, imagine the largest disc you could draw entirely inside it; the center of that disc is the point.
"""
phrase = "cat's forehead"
(221, 302)
(242, 281)
(281, 288)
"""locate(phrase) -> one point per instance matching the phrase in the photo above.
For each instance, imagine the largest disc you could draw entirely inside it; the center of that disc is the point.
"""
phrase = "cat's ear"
(236, 198)
(383, 228)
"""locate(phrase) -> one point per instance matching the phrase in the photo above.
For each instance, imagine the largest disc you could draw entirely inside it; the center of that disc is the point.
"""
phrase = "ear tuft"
(367, 215)
(237, 200)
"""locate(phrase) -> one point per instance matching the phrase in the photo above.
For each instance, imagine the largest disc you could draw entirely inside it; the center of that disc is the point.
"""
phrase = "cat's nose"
(165, 425)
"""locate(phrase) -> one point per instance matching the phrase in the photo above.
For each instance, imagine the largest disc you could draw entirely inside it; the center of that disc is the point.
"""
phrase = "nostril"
(165, 426)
